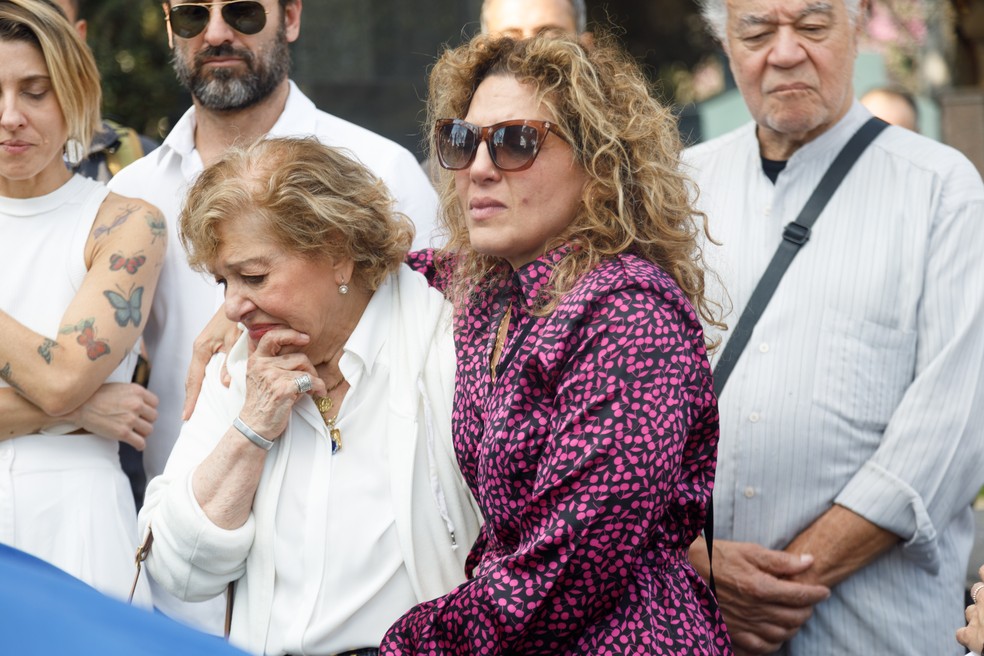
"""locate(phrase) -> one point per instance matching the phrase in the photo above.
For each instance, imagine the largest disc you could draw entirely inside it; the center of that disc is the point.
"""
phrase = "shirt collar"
(530, 282)
(828, 144)
(181, 139)
(299, 117)
(365, 343)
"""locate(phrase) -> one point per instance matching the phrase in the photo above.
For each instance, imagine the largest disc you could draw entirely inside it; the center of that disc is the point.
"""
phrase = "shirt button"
(763, 348)
(749, 492)
(768, 211)
(754, 417)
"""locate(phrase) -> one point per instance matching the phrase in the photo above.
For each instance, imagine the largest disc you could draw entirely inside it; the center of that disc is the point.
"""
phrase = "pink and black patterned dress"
(592, 458)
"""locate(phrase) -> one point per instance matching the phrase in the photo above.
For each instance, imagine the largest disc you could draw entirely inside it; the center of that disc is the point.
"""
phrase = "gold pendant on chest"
(325, 404)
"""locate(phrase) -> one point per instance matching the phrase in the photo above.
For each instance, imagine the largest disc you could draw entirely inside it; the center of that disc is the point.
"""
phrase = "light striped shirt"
(863, 382)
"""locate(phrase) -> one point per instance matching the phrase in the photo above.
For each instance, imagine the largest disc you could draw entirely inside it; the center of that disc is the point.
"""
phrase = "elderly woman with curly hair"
(584, 419)
(322, 481)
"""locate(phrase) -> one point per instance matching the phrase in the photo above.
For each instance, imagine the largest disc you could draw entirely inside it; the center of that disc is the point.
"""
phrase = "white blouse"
(315, 548)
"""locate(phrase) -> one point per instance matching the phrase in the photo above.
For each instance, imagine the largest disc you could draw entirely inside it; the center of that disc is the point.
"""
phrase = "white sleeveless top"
(63, 497)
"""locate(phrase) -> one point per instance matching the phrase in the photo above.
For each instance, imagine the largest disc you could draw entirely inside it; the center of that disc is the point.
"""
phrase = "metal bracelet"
(252, 435)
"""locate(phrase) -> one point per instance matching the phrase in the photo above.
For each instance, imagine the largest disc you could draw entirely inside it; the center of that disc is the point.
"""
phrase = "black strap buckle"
(796, 233)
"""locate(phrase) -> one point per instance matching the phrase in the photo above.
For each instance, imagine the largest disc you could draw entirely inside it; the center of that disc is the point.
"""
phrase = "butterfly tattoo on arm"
(128, 308)
(117, 222)
(131, 264)
(94, 348)
(45, 349)
(158, 227)
(8, 377)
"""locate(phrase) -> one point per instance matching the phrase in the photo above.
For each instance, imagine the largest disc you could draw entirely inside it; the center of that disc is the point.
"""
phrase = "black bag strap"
(794, 236)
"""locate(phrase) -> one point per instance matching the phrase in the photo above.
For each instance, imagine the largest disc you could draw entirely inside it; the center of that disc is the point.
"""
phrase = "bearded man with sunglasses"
(233, 58)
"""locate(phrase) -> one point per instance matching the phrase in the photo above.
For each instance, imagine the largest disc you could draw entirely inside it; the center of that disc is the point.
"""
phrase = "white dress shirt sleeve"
(192, 557)
(931, 457)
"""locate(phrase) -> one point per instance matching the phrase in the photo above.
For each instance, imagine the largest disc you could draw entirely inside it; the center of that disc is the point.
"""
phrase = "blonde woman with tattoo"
(80, 266)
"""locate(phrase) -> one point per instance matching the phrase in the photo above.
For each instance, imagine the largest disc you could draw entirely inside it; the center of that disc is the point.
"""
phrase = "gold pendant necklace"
(335, 434)
(325, 404)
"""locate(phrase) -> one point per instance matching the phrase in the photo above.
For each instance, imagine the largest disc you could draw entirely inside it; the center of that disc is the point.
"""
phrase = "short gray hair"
(580, 16)
(715, 14)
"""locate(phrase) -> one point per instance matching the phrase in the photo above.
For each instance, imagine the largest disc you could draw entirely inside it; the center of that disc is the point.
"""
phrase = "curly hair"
(313, 200)
(636, 199)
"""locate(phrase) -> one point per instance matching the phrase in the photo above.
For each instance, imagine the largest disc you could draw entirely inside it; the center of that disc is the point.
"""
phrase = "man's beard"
(226, 89)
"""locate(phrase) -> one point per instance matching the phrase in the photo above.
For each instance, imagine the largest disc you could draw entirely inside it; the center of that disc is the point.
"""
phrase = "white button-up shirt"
(867, 388)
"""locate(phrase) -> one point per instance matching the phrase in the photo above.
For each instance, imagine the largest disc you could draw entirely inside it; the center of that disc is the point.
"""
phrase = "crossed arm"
(60, 378)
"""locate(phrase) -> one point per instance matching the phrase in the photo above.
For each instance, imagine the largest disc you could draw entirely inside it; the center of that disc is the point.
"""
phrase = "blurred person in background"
(895, 106)
(113, 145)
(522, 19)
(86, 264)
(850, 444)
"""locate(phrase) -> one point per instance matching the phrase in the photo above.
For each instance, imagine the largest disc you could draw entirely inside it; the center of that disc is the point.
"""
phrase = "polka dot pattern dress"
(592, 458)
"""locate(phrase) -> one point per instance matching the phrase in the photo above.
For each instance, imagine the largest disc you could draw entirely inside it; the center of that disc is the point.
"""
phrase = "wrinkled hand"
(761, 609)
(972, 635)
(124, 412)
(219, 335)
(270, 389)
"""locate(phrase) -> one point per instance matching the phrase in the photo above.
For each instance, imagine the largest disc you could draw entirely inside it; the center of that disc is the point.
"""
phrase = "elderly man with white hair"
(851, 443)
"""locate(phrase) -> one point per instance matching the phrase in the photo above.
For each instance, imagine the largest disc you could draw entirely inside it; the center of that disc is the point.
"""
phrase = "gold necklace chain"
(324, 403)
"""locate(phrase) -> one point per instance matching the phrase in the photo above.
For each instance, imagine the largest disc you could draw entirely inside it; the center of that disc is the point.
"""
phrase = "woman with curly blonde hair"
(585, 421)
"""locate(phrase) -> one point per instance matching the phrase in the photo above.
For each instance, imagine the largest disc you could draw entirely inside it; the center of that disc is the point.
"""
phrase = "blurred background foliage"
(353, 55)
(130, 45)
(367, 60)
(129, 40)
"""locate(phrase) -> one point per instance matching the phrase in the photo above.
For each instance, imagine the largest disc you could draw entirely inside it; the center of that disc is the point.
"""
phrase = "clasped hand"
(762, 607)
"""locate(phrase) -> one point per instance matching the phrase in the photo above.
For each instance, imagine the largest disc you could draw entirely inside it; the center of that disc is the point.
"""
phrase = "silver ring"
(976, 590)
(303, 383)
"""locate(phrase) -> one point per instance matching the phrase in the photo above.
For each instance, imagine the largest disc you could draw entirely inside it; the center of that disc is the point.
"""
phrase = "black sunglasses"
(513, 145)
(189, 19)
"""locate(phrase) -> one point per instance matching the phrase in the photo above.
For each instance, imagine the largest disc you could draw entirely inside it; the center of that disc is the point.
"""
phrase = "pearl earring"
(343, 289)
